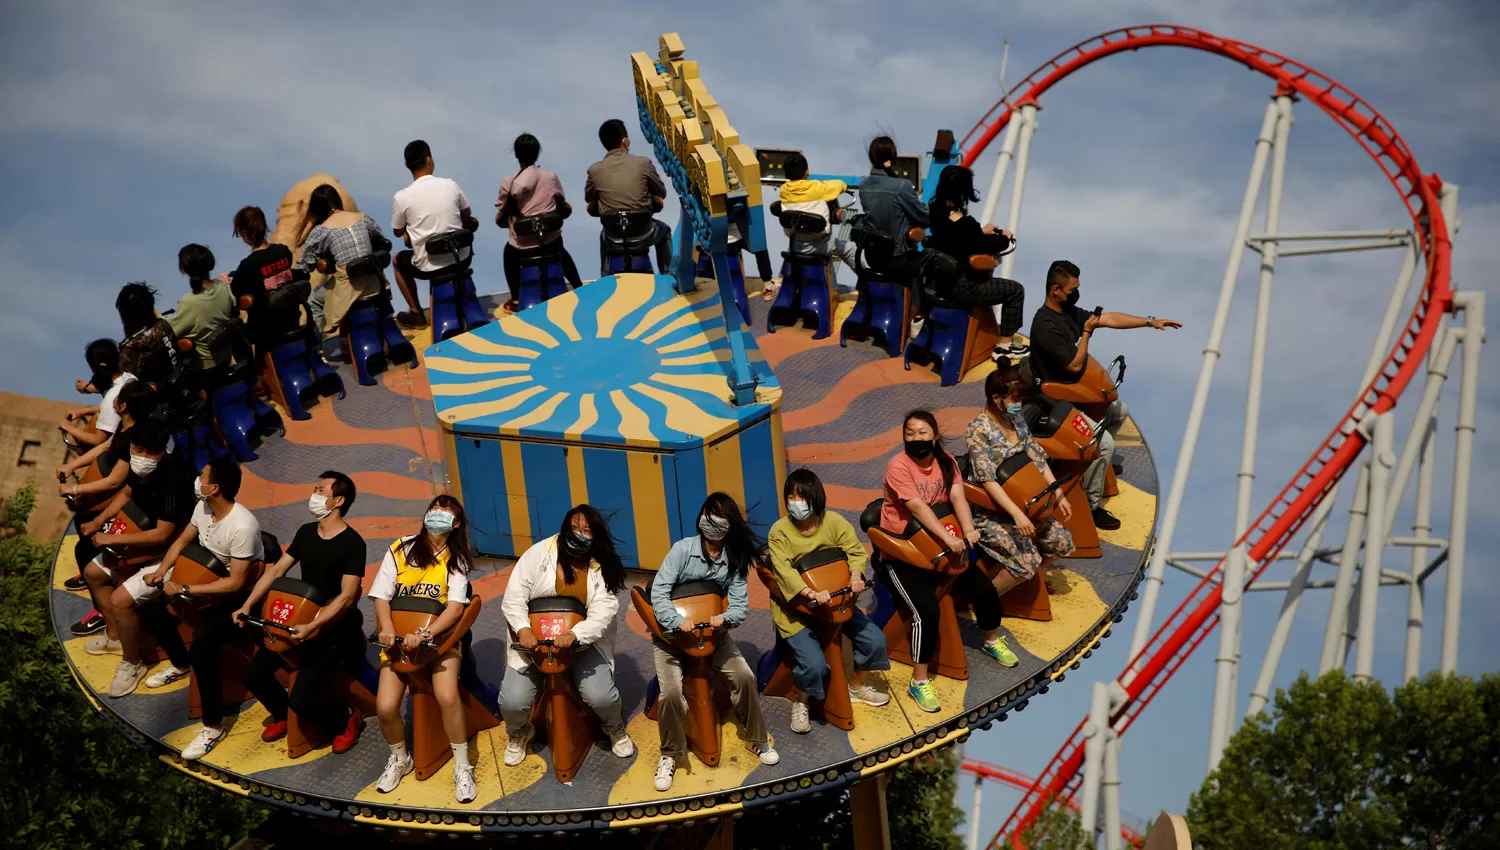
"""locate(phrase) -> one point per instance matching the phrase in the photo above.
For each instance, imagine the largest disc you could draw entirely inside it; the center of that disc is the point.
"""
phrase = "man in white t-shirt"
(430, 206)
(231, 534)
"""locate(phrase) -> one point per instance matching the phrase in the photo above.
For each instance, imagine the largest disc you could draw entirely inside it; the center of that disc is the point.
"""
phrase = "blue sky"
(132, 129)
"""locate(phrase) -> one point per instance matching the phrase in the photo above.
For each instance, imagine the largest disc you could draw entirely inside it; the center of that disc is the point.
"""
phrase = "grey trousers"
(1093, 477)
(671, 705)
(592, 677)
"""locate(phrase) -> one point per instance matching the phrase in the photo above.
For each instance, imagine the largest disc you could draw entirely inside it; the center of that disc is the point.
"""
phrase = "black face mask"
(574, 546)
(1072, 299)
(919, 449)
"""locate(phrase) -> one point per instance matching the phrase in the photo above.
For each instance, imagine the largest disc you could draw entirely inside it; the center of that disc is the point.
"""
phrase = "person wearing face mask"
(918, 478)
(433, 563)
(809, 526)
(999, 432)
(579, 562)
(231, 533)
(159, 488)
(332, 555)
(1060, 336)
(721, 552)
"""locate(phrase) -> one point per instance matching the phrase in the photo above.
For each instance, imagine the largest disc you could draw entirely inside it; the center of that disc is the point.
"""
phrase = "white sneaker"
(102, 645)
(206, 740)
(166, 676)
(665, 767)
(515, 748)
(623, 746)
(395, 768)
(916, 327)
(463, 784)
(867, 694)
(127, 677)
(800, 722)
(767, 753)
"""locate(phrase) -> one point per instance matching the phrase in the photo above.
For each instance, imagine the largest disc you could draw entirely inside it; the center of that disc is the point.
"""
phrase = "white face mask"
(198, 489)
(319, 506)
(798, 509)
(143, 466)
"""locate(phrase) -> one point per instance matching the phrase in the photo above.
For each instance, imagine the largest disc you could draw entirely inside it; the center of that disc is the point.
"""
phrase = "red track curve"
(1195, 618)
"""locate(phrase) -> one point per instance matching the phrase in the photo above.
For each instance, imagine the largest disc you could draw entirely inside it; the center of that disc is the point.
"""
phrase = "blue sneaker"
(924, 695)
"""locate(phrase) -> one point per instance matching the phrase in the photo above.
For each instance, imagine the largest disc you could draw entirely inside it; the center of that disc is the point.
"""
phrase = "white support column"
(1382, 458)
(1472, 303)
(1444, 344)
(1094, 734)
(1111, 788)
(1421, 528)
(1343, 586)
(974, 810)
(1261, 693)
(1226, 670)
(1002, 164)
(1144, 625)
(1023, 156)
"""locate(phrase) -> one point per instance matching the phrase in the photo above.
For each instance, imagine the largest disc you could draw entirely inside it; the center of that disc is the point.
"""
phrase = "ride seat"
(455, 305)
(736, 275)
(541, 273)
(953, 337)
(368, 333)
(806, 278)
(629, 236)
(883, 306)
(292, 364)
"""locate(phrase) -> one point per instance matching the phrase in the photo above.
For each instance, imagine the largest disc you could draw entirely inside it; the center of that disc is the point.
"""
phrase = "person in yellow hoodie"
(809, 525)
(819, 197)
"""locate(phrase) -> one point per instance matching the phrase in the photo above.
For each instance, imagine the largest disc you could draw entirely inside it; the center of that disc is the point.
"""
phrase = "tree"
(68, 779)
(1341, 764)
(1058, 828)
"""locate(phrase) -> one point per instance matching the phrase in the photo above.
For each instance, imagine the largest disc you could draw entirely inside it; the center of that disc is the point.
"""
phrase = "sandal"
(769, 290)
(512, 306)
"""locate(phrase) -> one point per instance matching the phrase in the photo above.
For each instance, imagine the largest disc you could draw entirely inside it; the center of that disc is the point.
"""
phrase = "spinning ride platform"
(840, 414)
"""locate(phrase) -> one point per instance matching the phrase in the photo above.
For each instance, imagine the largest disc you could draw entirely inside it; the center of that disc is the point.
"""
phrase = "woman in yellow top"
(433, 563)
(807, 526)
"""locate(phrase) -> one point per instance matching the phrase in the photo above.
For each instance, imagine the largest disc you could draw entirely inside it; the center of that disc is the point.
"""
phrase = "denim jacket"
(684, 563)
(891, 204)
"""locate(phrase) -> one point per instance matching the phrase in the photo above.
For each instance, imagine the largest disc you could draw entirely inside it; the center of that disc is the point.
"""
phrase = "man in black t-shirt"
(332, 555)
(1060, 335)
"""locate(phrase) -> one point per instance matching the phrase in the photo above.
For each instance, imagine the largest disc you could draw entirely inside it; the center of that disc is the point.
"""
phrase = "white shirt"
(534, 576)
(237, 535)
(108, 420)
(384, 586)
(426, 208)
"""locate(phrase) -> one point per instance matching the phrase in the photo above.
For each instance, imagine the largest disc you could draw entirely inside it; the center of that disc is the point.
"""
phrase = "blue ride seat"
(806, 278)
(368, 333)
(541, 272)
(293, 367)
(953, 338)
(628, 240)
(736, 277)
(455, 304)
(238, 414)
(883, 307)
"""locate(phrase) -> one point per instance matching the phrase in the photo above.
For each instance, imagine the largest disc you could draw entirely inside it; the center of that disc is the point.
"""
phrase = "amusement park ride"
(642, 393)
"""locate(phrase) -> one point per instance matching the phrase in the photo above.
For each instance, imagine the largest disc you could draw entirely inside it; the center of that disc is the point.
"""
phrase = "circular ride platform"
(841, 413)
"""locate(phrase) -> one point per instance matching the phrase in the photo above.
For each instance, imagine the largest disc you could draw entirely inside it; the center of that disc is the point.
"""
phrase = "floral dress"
(1021, 555)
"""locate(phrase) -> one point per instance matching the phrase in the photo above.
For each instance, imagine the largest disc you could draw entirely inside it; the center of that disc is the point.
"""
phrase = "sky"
(133, 129)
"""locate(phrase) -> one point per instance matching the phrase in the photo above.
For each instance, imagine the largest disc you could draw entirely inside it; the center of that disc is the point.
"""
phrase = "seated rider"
(430, 206)
(808, 526)
(160, 488)
(338, 238)
(579, 561)
(918, 478)
(960, 236)
(149, 350)
(1060, 335)
(722, 553)
(231, 533)
(621, 182)
(204, 312)
(433, 563)
(332, 555)
(1013, 541)
(265, 270)
(106, 379)
(820, 198)
(529, 192)
(891, 205)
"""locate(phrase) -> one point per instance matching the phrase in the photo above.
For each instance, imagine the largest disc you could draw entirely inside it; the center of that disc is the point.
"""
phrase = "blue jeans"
(592, 677)
(809, 667)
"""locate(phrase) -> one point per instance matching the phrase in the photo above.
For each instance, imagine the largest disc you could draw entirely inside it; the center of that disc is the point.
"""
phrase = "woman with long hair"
(918, 479)
(807, 527)
(148, 350)
(338, 237)
(264, 271)
(960, 236)
(998, 433)
(578, 562)
(204, 312)
(721, 552)
(433, 563)
(531, 191)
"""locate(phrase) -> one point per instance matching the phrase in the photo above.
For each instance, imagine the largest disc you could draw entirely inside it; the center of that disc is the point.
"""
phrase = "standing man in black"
(332, 555)
(1060, 335)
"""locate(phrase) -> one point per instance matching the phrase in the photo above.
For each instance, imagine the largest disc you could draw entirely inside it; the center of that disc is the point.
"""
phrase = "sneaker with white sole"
(127, 677)
(395, 768)
(867, 694)
(102, 645)
(166, 676)
(915, 327)
(622, 745)
(800, 722)
(665, 767)
(464, 789)
(515, 748)
(205, 740)
(767, 753)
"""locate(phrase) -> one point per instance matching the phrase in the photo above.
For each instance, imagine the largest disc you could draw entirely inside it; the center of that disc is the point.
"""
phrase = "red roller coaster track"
(1193, 620)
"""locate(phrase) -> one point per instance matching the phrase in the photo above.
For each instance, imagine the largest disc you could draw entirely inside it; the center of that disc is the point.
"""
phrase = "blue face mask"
(1013, 409)
(438, 521)
(798, 509)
